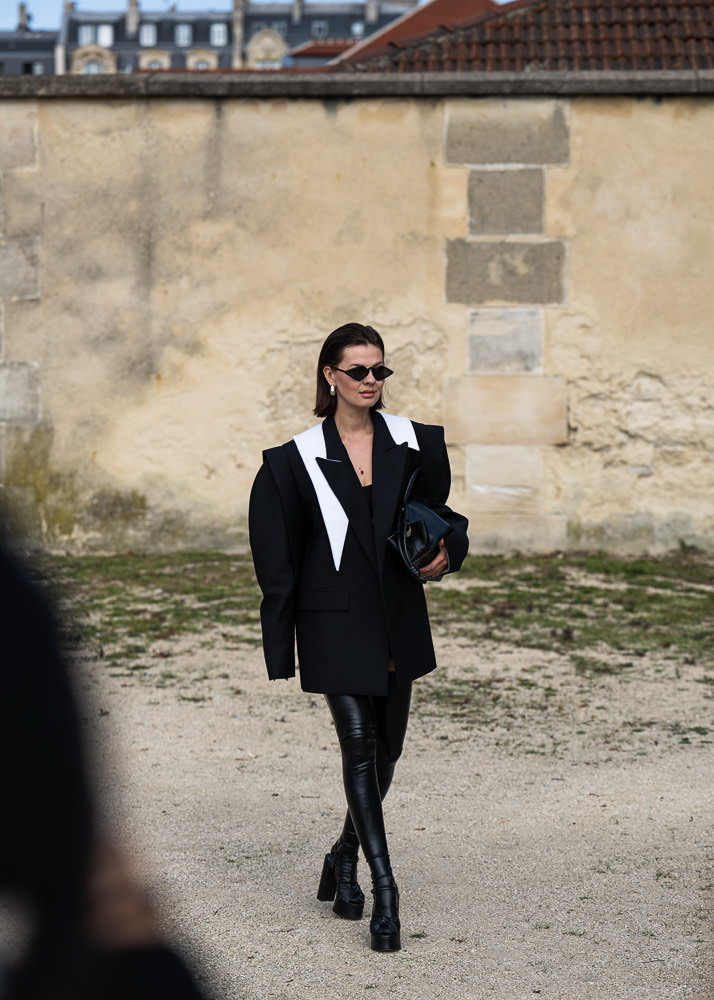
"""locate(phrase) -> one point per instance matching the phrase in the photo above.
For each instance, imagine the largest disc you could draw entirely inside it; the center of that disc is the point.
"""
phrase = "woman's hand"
(439, 564)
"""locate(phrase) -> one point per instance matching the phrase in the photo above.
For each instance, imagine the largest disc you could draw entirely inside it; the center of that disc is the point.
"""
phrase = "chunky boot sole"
(386, 942)
(384, 927)
(327, 891)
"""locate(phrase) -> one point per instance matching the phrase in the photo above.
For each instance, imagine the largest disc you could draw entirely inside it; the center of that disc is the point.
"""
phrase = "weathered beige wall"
(636, 340)
(540, 270)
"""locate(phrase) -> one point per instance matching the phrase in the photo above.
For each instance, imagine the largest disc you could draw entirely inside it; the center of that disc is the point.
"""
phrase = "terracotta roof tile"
(434, 16)
(324, 47)
(565, 35)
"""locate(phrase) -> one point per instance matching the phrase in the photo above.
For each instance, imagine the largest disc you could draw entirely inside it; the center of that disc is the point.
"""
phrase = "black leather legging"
(371, 732)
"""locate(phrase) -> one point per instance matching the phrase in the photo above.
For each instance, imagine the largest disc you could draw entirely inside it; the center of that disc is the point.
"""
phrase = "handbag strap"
(410, 486)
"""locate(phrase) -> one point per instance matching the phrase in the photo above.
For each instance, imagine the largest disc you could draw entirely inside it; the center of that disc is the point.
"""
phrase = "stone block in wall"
(526, 533)
(503, 202)
(517, 272)
(19, 392)
(505, 409)
(505, 341)
(503, 478)
(523, 132)
(21, 202)
(18, 137)
(19, 262)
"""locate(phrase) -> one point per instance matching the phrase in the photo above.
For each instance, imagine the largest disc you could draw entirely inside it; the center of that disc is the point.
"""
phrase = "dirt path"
(551, 832)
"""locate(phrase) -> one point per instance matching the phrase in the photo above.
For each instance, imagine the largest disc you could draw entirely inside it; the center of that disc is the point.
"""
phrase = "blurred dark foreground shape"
(84, 929)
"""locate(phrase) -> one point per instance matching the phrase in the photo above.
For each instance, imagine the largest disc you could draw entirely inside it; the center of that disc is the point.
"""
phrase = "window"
(38, 68)
(183, 34)
(105, 35)
(147, 35)
(93, 67)
(202, 64)
(154, 64)
(319, 29)
(219, 34)
(357, 29)
(85, 35)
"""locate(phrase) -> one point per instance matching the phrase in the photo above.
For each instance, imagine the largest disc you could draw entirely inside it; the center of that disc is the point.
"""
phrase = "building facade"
(27, 52)
(254, 35)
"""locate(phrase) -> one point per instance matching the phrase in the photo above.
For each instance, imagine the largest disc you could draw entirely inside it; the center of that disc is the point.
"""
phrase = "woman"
(322, 509)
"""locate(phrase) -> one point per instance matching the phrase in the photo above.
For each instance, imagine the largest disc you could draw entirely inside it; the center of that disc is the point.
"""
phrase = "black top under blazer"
(348, 622)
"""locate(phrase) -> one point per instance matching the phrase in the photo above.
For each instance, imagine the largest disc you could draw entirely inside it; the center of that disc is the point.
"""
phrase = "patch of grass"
(606, 615)
(123, 605)
(567, 603)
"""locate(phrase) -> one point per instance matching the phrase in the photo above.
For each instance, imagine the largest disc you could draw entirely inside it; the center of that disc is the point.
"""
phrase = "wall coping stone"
(346, 85)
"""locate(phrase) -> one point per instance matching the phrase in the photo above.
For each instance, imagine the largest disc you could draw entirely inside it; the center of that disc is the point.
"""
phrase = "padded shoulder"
(430, 437)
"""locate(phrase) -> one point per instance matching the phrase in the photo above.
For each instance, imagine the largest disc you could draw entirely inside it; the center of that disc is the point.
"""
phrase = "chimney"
(238, 12)
(298, 6)
(132, 18)
(371, 12)
(23, 20)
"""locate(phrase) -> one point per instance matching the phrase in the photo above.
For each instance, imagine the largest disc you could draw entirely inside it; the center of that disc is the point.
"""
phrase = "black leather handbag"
(419, 531)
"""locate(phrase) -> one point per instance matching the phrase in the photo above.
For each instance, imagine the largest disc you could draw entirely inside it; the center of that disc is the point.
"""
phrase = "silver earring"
(332, 390)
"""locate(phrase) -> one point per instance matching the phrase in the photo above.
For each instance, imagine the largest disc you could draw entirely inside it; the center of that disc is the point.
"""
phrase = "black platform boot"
(384, 927)
(339, 881)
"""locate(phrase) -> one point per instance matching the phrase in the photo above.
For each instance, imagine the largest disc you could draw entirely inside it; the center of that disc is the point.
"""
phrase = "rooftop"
(431, 17)
(563, 36)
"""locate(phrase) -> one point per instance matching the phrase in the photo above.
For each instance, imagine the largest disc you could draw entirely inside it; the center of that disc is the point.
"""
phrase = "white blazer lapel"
(311, 446)
(401, 430)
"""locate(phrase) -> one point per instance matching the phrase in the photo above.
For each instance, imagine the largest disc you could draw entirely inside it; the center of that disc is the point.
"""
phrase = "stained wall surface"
(541, 270)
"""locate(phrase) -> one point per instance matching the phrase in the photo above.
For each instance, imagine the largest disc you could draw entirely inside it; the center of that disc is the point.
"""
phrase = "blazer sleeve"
(433, 486)
(275, 555)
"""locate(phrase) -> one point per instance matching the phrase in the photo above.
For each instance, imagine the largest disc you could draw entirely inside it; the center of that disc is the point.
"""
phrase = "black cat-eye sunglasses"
(360, 372)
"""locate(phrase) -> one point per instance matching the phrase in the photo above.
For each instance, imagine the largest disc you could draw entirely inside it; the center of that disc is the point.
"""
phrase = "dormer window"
(183, 35)
(357, 29)
(86, 34)
(219, 34)
(147, 35)
(319, 29)
(105, 35)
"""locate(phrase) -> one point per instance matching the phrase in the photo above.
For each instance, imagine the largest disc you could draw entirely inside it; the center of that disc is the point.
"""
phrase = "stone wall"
(540, 268)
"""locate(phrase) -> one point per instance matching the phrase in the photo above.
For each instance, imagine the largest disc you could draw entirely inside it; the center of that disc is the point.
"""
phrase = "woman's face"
(348, 391)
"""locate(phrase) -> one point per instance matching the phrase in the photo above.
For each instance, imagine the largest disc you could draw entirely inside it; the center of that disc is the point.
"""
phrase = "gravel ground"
(563, 852)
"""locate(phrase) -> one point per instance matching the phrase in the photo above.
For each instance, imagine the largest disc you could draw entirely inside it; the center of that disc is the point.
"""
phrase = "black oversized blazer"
(349, 622)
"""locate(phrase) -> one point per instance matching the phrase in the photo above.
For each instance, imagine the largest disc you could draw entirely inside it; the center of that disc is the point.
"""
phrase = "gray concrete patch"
(513, 271)
(503, 202)
(534, 133)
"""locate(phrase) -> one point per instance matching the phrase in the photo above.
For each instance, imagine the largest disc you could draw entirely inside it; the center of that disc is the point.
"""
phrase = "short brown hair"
(349, 335)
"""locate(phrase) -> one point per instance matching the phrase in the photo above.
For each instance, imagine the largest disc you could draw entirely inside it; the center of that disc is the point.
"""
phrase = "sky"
(46, 14)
